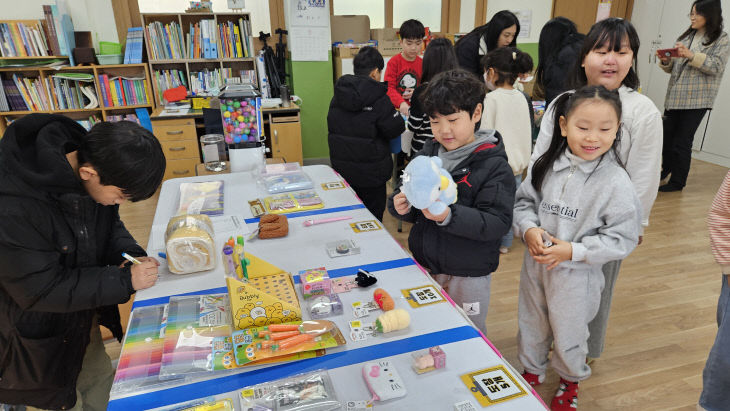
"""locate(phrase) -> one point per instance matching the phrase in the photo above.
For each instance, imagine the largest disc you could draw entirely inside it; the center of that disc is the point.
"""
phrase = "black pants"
(373, 198)
(679, 132)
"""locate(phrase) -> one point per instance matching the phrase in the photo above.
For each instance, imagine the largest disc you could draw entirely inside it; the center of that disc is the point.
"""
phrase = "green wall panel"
(312, 82)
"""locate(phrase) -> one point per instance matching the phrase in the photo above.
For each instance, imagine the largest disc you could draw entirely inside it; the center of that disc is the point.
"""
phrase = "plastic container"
(241, 115)
(108, 47)
(110, 58)
(214, 152)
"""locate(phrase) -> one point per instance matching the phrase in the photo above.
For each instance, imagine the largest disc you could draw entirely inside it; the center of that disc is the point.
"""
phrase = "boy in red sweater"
(403, 72)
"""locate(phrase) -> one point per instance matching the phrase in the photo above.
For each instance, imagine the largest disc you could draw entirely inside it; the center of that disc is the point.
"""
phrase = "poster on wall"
(604, 10)
(309, 30)
(525, 19)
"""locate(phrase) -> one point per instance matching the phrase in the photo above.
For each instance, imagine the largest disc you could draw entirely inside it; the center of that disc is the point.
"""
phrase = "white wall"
(259, 9)
(540, 14)
(95, 16)
(466, 15)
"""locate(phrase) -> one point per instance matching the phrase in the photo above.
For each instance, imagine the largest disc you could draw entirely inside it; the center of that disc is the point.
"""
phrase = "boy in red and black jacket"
(460, 247)
(403, 73)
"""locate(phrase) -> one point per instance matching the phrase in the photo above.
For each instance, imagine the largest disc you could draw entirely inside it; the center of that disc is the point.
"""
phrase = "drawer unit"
(179, 141)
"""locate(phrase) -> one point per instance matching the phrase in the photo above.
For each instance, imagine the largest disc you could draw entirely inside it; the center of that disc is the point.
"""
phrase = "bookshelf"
(186, 59)
(142, 92)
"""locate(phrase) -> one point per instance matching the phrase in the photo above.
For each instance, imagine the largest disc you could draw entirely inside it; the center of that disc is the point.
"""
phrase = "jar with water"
(213, 147)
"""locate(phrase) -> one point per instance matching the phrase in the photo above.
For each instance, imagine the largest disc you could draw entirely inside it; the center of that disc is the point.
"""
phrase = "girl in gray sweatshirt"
(576, 210)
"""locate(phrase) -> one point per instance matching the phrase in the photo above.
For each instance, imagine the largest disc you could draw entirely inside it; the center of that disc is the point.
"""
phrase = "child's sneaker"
(533, 379)
(566, 398)
(503, 250)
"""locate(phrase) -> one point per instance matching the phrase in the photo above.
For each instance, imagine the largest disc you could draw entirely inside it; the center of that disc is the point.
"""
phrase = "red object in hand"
(664, 53)
(175, 94)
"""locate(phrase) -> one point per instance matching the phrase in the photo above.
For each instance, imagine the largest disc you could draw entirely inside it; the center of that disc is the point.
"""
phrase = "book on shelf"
(23, 40)
(166, 79)
(133, 48)
(87, 124)
(165, 41)
(233, 39)
(73, 91)
(206, 82)
(64, 29)
(123, 91)
(231, 76)
(51, 32)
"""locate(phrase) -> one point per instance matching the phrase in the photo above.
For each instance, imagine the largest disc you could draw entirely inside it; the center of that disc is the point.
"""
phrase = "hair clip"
(514, 55)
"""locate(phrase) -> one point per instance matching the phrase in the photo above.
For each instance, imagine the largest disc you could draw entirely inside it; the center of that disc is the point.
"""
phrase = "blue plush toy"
(427, 185)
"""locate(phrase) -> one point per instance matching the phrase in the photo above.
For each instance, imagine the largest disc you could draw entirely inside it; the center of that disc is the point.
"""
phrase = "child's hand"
(401, 204)
(439, 218)
(144, 275)
(408, 93)
(404, 109)
(559, 252)
(533, 239)
(151, 259)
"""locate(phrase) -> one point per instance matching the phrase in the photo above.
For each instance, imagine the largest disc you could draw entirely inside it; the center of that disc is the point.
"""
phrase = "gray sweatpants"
(598, 326)
(556, 306)
(470, 293)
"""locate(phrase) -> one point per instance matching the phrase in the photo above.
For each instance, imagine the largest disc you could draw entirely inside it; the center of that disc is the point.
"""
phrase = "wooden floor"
(663, 316)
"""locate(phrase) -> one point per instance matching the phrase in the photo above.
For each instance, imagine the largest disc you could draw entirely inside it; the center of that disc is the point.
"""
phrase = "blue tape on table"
(313, 212)
(330, 361)
(338, 272)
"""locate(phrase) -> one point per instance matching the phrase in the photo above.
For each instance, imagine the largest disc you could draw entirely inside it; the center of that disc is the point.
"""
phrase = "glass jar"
(213, 147)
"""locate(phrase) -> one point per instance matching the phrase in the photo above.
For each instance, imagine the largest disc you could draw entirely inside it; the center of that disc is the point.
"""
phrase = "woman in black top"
(501, 31)
(558, 49)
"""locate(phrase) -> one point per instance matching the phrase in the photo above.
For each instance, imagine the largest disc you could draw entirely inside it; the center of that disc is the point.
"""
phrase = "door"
(583, 12)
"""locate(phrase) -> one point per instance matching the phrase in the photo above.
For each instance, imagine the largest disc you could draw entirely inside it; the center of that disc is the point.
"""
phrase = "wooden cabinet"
(179, 141)
(286, 138)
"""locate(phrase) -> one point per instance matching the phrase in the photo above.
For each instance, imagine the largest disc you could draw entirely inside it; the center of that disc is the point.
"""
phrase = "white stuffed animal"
(427, 185)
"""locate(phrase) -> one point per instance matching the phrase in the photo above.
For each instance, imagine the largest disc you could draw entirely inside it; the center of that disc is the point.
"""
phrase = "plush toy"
(427, 185)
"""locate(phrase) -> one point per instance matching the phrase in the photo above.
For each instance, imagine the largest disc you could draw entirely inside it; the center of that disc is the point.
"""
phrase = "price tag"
(358, 405)
(493, 385)
(421, 296)
(365, 226)
(333, 185)
(356, 331)
(342, 284)
(359, 310)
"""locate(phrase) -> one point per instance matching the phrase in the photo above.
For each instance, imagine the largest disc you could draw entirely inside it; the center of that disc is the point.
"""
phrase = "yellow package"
(252, 307)
(291, 202)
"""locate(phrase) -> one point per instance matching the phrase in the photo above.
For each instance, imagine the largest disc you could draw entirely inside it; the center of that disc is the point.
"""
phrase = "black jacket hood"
(33, 156)
(354, 93)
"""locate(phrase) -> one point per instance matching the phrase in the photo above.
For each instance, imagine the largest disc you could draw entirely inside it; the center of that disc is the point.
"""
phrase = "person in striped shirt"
(715, 377)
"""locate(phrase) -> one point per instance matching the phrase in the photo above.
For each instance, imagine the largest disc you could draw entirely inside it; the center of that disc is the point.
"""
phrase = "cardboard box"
(350, 27)
(384, 34)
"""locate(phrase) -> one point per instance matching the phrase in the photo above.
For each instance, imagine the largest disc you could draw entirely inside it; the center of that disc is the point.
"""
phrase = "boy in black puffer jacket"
(460, 247)
(361, 122)
(61, 242)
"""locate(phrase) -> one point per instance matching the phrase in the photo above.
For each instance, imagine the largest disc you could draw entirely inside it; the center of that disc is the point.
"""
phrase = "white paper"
(525, 19)
(176, 112)
(309, 43)
(309, 13)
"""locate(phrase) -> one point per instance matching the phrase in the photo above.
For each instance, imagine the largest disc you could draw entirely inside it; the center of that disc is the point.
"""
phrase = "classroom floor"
(663, 315)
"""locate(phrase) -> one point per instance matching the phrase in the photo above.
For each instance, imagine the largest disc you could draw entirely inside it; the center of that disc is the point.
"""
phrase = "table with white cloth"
(441, 324)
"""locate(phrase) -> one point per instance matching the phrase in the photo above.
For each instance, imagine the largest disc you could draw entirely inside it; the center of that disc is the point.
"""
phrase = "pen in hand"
(131, 259)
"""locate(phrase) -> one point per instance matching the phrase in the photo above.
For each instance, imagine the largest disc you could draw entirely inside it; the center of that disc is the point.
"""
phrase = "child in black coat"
(361, 122)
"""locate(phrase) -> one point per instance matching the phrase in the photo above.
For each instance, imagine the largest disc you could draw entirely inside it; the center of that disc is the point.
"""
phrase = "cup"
(214, 152)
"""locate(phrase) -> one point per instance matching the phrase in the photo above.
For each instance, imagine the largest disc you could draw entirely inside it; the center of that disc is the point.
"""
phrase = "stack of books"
(166, 79)
(133, 48)
(235, 39)
(123, 91)
(238, 76)
(166, 41)
(20, 40)
(206, 82)
(59, 92)
(201, 39)
(87, 124)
